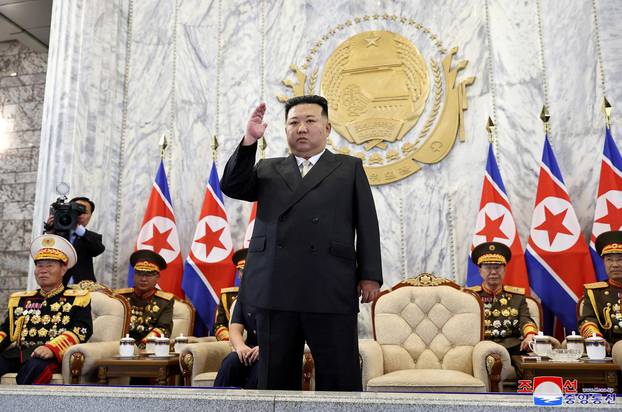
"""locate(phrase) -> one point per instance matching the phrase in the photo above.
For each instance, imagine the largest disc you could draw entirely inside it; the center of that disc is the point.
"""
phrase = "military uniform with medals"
(151, 311)
(227, 297)
(57, 320)
(601, 313)
(507, 320)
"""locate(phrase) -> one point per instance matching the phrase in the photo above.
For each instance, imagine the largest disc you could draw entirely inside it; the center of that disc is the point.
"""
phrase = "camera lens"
(65, 220)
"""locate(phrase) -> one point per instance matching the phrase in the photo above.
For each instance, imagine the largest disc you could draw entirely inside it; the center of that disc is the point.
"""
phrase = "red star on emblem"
(554, 224)
(613, 218)
(211, 239)
(159, 240)
(492, 229)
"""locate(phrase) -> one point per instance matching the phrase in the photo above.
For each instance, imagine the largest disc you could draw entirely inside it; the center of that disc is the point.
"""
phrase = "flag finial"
(607, 110)
(545, 116)
(214, 147)
(262, 146)
(163, 145)
(490, 128)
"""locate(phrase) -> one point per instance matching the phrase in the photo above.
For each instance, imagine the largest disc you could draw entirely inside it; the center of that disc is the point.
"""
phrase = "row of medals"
(33, 317)
(496, 328)
(616, 316)
(137, 322)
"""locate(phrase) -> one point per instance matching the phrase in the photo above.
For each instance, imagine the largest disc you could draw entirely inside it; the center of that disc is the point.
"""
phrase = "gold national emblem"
(48, 242)
(391, 105)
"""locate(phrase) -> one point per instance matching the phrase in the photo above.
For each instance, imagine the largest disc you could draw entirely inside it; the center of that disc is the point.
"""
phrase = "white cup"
(540, 345)
(126, 347)
(595, 347)
(180, 343)
(162, 346)
(151, 344)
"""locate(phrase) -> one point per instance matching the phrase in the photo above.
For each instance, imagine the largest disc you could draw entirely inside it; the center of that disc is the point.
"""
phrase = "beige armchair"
(183, 318)
(110, 313)
(428, 337)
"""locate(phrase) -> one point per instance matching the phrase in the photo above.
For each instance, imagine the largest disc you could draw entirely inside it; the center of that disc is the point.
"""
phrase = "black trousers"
(332, 338)
(34, 370)
(233, 372)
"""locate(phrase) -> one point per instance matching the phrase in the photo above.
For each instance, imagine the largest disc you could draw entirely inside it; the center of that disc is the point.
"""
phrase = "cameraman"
(88, 244)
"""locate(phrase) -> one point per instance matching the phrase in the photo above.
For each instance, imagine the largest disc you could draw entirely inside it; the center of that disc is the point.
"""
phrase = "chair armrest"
(372, 363)
(202, 357)
(194, 339)
(491, 364)
(616, 353)
(79, 360)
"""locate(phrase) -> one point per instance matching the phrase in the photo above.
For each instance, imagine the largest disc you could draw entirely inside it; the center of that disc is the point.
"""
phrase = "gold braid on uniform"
(529, 329)
(61, 343)
(222, 333)
(154, 333)
(588, 328)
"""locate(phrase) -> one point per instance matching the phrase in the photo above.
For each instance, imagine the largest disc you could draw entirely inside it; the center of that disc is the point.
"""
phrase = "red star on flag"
(159, 240)
(492, 229)
(613, 218)
(211, 239)
(554, 224)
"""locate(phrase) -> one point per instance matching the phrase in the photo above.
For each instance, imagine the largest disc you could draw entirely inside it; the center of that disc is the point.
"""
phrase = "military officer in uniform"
(152, 309)
(506, 316)
(601, 308)
(227, 297)
(239, 368)
(42, 324)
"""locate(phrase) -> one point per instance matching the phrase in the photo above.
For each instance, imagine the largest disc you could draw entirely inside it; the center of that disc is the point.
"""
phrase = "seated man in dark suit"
(239, 368)
(227, 297)
(152, 309)
(42, 324)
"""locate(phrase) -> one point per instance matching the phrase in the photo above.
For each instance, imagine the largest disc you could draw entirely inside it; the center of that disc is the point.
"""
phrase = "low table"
(163, 369)
(587, 373)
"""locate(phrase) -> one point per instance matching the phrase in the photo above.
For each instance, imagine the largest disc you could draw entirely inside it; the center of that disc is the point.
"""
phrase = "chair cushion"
(108, 316)
(9, 379)
(426, 380)
(182, 315)
(204, 379)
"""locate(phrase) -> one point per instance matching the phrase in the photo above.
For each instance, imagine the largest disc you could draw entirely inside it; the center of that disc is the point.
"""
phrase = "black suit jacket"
(302, 255)
(87, 247)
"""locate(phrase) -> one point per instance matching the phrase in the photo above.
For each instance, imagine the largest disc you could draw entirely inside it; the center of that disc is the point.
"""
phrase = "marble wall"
(22, 84)
(124, 72)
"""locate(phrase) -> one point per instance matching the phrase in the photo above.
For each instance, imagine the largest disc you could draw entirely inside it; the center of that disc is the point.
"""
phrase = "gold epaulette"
(596, 285)
(514, 289)
(164, 295)
(477, 288)
(229, 290)
(24, 293)
(81, 297)
(124, 291)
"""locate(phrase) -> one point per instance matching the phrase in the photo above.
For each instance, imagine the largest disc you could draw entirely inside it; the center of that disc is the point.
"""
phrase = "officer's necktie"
(305, 166)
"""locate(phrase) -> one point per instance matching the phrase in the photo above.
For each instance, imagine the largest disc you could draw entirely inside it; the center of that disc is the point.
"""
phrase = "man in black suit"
(88, 244)
(304, 273)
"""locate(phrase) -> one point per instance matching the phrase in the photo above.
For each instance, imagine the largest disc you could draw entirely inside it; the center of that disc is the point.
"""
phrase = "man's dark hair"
(309, 99)
(84, 199)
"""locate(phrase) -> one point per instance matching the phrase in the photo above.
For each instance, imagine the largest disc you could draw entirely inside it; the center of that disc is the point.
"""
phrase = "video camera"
(65, 214)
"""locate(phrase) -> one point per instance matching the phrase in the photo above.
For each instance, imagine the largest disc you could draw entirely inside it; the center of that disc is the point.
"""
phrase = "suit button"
(312, 247)
(315, 220)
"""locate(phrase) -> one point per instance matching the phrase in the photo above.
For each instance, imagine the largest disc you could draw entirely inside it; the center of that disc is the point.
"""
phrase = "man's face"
(492, 274)
(145, 281)
(613, 266)
(84, 218)
(49, 273)
(306, 130)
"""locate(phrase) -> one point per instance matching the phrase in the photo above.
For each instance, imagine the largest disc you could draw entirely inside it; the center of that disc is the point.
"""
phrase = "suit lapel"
(288, 169)
(325, 165)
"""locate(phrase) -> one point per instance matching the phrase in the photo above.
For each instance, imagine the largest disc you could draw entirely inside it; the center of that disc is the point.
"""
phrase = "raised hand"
(255, 127)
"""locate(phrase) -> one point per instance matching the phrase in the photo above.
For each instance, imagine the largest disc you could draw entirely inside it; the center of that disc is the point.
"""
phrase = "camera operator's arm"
(48, 227)
(92, 241)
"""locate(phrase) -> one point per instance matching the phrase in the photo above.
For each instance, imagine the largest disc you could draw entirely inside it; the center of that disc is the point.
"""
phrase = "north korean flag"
(557, 256)
(608, 213)
(159, 233)
(251, 225)
(208, 267)
(495, 223)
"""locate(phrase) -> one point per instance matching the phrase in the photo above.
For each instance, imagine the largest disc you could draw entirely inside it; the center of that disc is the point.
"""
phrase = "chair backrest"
(111, 316)
(427, 322)
(535, 310)
(183, 318)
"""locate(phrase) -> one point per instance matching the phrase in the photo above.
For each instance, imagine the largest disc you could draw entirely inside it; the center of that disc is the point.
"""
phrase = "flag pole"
(607, 111)
(214, 147)
(163, 145)
(490, 128)
(545, 116)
